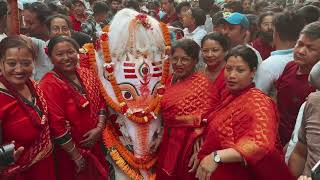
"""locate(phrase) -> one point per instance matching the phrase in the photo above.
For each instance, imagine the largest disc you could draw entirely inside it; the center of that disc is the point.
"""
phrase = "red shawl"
(246, 121)
(182, 107)
(23, 124)
(67, 104)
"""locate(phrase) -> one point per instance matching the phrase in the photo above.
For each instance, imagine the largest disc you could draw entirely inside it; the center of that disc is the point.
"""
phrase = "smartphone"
(6, 154)
(315, 171)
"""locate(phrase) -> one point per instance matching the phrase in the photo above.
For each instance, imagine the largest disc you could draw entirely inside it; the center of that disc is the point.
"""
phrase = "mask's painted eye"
(127, 95)
(128, 91)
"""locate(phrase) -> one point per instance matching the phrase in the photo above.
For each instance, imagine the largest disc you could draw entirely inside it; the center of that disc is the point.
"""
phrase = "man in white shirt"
(287, 27)
(57, 25)
(193, 21)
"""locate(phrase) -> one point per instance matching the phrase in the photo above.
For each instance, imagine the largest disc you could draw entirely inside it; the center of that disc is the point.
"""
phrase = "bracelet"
(69, 151)
(101, 125)
(102, 112)
(77, 158)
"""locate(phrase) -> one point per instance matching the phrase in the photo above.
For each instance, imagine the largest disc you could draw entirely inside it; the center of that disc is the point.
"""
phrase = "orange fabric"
(247, 122)
(182, 106)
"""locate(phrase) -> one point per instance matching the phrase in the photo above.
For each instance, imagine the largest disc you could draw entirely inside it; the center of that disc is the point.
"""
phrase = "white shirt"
(257, 53)
(196, 35)
(294, 137)
(208, 24)
(271, 69)
(2, 36)
(43, 63)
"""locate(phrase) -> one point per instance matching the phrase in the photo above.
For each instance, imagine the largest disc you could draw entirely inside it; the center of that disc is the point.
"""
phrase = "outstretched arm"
(13, 18)
(208, 165)
(297, 159)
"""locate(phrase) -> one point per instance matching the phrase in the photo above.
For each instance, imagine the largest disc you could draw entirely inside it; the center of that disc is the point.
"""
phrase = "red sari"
(246, 121)
(188, 99)
(27, 124)
(81, 111)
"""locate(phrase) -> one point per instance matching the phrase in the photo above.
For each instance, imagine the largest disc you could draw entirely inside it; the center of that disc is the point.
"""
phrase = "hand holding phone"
(315, 171)
(8, 154)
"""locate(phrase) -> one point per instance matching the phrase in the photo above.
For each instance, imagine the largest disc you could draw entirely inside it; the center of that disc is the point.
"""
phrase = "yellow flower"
(88, 46)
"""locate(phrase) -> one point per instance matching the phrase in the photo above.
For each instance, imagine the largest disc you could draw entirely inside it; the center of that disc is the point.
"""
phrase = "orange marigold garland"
(110, 139)
(92, 61)
(124, 166)
(105, 47)
(112, 142)
(166, 33)
(119, 153)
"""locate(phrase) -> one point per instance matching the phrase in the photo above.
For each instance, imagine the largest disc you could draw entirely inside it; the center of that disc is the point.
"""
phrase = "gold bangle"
(69, 151)
(77, 158)
(102, 112)
(100, 125)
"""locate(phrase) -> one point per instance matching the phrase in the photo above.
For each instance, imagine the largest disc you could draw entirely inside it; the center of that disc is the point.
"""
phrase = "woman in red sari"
(23, 114)
(186, 98)
(241, 139)
(213, 48)
(77, 113)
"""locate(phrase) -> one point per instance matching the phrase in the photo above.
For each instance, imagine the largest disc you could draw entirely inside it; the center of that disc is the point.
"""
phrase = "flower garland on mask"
(124, 158)
(148, 113)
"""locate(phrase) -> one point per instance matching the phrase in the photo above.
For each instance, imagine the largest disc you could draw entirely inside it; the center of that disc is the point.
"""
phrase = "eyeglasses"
(184, 60)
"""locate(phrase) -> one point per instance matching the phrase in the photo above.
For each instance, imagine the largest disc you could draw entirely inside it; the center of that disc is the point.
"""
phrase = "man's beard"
(266, 36)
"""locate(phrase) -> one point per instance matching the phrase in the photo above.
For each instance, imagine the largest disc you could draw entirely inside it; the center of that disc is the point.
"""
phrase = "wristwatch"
(216, 157)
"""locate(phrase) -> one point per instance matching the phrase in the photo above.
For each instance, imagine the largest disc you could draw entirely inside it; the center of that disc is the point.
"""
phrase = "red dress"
(21, 122)
(169, 19)
(75, 23)
(292, 91)
(262, 47)
(81, 111)
(247, 122)
(182, 107)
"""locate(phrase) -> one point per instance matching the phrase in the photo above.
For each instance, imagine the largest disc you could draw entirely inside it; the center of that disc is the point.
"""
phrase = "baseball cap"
(237, 19)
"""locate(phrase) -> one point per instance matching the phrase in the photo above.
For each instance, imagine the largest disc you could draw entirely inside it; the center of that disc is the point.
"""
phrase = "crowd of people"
(240, 102)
